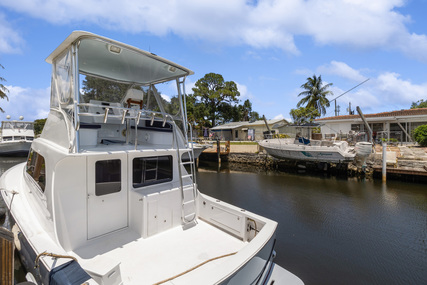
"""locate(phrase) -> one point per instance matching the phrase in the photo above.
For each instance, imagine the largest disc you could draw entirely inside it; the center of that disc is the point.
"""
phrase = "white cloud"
(166, 97)
(261, 24)
(386, 92)
(341, 69)
(244, 93)
(10, 40)
(31, 103)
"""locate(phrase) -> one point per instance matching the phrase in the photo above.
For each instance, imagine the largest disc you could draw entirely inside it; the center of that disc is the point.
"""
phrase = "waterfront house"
(245, 131)
(307, 130)
(388, 125)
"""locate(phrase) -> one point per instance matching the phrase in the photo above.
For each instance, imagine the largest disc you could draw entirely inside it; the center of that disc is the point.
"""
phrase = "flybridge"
(104, 85)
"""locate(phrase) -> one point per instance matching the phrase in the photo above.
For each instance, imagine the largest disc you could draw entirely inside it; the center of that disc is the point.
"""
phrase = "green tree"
(228, 113)
(103, 90)
(315, 94)
(420, 135)
(3, 89)
(419, 104)
(213, 91)
(38, 126)
(245, 110)
(304, 115)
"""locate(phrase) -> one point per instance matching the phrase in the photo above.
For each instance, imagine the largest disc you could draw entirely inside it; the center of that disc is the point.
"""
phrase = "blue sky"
(267, 47)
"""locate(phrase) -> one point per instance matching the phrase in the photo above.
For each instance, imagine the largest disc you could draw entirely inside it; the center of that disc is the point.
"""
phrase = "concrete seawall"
(405, 162)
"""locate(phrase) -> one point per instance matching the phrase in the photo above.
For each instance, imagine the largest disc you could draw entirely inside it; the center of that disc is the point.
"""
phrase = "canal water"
(331, 231)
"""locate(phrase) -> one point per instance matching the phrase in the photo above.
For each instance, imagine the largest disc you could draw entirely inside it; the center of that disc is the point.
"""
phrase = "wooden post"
(6, 254)
(384, 170)
(218, 151)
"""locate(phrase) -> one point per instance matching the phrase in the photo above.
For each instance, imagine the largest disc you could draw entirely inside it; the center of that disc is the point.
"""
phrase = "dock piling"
(384, 169)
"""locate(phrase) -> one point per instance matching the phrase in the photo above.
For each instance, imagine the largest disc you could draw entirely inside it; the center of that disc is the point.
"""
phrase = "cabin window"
(151, 170)
(108, 177)
(36, 168)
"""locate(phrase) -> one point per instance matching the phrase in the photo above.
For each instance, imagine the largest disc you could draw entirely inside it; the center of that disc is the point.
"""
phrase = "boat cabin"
(109, 156)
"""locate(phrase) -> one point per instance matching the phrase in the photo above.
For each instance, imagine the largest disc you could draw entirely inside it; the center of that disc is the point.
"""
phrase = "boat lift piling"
(384, 168)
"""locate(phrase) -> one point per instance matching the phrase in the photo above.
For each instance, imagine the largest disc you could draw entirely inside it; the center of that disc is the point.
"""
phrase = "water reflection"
(333, 230)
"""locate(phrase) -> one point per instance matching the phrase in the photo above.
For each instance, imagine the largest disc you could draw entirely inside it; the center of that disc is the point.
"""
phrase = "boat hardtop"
(105, 184)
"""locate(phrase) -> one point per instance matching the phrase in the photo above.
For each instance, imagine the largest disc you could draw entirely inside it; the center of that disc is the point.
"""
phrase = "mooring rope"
(36, 265)
(195, 267)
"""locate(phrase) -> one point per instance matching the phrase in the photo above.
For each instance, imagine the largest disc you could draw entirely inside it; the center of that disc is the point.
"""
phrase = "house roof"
(400, 113)
(234, 125)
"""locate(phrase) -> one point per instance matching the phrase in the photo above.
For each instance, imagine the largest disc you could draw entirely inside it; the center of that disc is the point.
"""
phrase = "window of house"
(108, 176)
(377, 127)
(151, 170)
(36, 168)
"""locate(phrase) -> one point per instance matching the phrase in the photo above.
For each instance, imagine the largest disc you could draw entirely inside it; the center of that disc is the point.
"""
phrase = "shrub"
(420, 135)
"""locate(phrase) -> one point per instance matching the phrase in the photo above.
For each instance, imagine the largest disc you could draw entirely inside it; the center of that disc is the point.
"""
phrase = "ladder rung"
(188, 202)
(186, 176)
(187, 162)
(190, 216)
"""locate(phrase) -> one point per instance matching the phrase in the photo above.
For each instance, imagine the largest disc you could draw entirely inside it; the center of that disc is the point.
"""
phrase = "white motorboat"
(16, 137)
(309, 150)
(105, 198)
(198, 148)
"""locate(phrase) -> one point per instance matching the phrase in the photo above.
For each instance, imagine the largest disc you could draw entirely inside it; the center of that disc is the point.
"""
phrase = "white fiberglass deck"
(154, 259)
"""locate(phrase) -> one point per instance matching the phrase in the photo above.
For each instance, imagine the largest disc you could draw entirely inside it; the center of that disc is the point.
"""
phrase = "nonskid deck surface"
(154, 259)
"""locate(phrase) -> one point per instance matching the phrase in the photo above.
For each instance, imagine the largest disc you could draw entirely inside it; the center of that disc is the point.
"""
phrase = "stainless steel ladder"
(189, 190)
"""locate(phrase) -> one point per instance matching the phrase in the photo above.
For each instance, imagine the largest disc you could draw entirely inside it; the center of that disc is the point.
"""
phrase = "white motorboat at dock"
(314, 150)
(105, 197)
(16, 137)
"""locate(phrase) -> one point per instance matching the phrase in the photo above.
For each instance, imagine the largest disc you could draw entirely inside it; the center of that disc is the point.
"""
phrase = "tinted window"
(36, 168)
(108, 177)
(151, 170)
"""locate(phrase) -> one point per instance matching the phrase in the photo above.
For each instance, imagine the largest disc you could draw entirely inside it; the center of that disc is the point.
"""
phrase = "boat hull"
(307, 153)
(258, 269)
(27, 254)
(15, 148)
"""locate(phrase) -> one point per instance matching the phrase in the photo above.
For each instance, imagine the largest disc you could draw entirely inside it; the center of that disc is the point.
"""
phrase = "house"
(388, 125)
(305, 130)
(244, 131)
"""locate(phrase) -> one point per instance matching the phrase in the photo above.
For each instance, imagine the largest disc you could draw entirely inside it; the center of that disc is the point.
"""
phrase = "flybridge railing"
(120, 114)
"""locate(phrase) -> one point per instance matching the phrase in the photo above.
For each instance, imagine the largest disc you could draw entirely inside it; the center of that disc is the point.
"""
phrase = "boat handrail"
(120, 113)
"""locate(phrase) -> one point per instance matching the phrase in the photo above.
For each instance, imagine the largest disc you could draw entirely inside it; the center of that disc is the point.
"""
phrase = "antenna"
(346, 93)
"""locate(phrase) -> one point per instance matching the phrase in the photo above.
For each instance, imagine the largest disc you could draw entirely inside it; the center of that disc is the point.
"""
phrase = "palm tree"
(315, 94)
(3, 90)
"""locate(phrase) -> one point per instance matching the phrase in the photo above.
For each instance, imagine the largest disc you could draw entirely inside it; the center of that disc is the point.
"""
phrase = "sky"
(267, 47)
